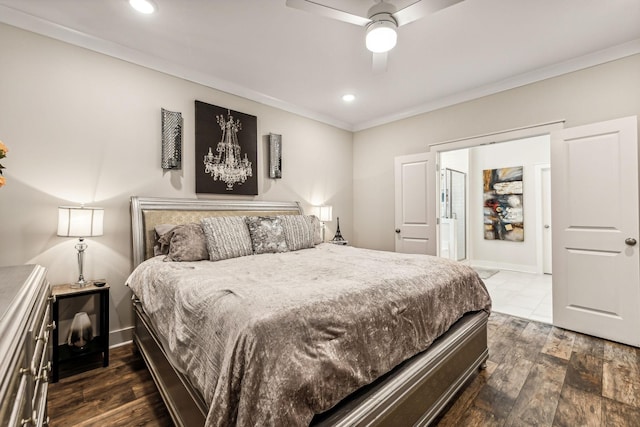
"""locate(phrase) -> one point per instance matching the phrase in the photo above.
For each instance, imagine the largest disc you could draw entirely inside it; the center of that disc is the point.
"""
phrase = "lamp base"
(80, 284)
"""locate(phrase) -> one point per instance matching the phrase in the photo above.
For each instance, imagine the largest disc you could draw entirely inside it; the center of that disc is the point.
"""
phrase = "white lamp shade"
(324, 213)
(80, 221)
(381, 37)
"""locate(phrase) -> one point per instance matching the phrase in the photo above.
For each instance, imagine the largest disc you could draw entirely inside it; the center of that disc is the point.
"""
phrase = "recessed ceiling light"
(143, 6)
(349, 97)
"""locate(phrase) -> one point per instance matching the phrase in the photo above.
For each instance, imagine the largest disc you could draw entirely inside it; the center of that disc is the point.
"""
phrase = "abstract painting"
(226, 151)
(503, 211)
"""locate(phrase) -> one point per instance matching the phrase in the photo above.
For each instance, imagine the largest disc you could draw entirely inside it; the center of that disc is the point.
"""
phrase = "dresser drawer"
(20, 409)
(40, 417)
(40, 337)
(18, 381)
(25, 328)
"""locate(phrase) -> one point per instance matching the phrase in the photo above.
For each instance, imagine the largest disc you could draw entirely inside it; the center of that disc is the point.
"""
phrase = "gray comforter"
(273, 339)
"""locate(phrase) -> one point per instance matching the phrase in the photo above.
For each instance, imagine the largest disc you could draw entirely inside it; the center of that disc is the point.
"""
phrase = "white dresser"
(25, 327)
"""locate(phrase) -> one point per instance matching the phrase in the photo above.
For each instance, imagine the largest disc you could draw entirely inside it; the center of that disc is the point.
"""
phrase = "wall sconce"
(171, 140)
(275, 156)
(324, 215)
(80, 222)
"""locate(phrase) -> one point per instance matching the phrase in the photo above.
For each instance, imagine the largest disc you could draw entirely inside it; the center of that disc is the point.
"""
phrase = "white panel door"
(415, 201)
(596, 270)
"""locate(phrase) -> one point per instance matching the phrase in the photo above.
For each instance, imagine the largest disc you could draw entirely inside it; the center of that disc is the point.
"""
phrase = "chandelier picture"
(227, 164)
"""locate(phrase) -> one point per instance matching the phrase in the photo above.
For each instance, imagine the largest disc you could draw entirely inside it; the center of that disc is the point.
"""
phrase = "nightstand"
(63, 355)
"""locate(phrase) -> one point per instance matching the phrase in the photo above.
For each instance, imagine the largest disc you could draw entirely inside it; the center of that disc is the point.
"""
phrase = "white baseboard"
(120, 337)
(504, 266)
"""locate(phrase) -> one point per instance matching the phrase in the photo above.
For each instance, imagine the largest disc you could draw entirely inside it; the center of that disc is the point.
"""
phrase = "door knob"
(547, 226)
(630, 241)
(398, 230)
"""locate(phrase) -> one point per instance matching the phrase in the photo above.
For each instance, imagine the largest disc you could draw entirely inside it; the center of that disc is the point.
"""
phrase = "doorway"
(512, 270)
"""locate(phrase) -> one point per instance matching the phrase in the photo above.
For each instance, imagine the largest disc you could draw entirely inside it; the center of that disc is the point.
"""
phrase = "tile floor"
(523, 295)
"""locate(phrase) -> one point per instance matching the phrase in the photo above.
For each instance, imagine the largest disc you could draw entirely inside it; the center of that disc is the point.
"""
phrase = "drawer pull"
(51, 298)
(51, 326)
(30, 371)
(46, 421)
(44, 376)
(24, 422)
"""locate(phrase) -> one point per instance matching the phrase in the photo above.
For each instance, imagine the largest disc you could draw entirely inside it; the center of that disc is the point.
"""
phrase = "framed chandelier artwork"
(226, 151)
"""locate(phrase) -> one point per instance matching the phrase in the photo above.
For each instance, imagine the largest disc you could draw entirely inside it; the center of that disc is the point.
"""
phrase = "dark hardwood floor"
(537, 375)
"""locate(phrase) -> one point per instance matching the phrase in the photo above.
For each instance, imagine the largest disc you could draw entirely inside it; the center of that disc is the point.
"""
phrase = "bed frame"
(413, 393)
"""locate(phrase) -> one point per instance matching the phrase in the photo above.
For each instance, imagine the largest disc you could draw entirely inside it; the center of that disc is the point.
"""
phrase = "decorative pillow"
(160, 230)
(267, 234)
(227, 237)
(185, 242)
(298, 231)
(317, 229)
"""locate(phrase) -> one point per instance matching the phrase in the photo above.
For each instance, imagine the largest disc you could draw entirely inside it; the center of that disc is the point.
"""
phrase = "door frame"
(539, 214)
(475, 141)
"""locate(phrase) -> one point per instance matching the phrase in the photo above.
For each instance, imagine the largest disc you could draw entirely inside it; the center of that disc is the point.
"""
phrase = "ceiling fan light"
(381, 36)
(143, 6)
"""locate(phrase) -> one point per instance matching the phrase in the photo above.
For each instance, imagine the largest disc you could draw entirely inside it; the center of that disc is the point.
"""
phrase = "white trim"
(523, 268)
(571, 65)
(120, 337)
(539, 215)
(111, 347)
(37, 25)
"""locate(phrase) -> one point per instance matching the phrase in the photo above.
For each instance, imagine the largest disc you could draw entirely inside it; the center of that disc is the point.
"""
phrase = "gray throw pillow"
(158, 247)
(186, 243)
(267, 234)
(227, 237)
(317, 229)
(298, 231)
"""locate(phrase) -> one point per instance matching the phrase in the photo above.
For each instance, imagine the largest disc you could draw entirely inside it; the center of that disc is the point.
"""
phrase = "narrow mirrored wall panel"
(275, 155)
(171, 139)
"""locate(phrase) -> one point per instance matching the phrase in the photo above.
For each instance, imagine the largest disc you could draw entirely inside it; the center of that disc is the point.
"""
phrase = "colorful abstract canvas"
(503, 211)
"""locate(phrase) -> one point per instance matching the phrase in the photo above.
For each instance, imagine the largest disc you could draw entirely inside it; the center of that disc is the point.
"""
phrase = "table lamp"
(81, 222)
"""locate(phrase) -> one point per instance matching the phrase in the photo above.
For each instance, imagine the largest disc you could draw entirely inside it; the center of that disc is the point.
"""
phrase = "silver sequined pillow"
(298, 231)
(267, 234)
(227, 237)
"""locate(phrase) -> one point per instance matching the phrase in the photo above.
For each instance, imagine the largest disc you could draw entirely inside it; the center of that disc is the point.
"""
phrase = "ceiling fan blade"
(379, 62)
(329, 12)
(421, 8)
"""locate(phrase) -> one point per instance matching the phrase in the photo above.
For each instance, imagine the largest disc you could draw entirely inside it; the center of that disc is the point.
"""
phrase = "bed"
(312, 335)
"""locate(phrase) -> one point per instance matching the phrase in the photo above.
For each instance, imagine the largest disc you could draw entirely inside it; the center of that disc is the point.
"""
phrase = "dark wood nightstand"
(69, 359)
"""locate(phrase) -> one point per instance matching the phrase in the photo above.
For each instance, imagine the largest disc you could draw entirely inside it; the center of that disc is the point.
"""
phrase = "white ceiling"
(304, 63)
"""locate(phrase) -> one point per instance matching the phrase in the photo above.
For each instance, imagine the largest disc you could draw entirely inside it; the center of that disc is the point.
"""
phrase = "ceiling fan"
(381, 22)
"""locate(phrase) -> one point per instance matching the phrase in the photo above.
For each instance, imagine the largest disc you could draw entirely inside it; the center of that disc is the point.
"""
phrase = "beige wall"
(85, 127)
(595, 94)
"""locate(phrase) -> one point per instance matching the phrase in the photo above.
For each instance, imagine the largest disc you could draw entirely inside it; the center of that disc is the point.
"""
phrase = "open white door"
(415, 204)
(596, 269)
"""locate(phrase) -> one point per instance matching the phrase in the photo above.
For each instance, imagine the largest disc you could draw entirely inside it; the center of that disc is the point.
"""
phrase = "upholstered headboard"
(147, 212)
